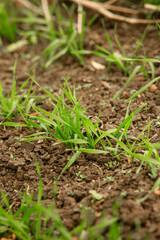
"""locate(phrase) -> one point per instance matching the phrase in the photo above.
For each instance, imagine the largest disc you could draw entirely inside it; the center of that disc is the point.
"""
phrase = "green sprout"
(120, 58)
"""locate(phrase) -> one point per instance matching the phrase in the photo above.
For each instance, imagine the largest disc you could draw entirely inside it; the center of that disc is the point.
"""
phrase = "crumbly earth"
(118, 183)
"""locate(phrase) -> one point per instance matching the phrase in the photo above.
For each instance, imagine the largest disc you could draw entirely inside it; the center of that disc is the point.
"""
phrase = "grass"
(132, 75)
(35, 221)
(61, 37)
(158, 28)
(18, 102)
(68, 123)
(67, 39)
(31, 220)
(10, 105)
(127, 64)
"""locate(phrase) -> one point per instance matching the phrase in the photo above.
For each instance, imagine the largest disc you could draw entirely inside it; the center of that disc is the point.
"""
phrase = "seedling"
(109, 179)
(126, 171)
(95, 195)
(80, 176)
(157, 124)
(12, 157)
(124, 194)
(120, 58)
(111, 164)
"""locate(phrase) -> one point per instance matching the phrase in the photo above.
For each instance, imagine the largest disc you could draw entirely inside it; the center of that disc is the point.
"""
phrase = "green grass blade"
(132, 75)
(13, 124)
(94, 151)
(56, 56)
(104, 223)
(143, 89)
(70, 162)
(76, 141)
(157, 184)
(29, 139)
(128, 118)
(5, 200)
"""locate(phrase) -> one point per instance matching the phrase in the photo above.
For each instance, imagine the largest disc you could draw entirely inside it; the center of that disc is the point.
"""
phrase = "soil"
(118, 184)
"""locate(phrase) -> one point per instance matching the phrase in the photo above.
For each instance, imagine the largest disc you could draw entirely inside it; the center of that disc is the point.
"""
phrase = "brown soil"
(96, 87)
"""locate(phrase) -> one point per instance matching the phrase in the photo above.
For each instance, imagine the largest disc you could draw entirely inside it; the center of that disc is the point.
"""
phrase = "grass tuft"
(69, 124)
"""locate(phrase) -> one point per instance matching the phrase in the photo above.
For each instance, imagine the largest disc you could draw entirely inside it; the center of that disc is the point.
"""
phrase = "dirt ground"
(118, 183)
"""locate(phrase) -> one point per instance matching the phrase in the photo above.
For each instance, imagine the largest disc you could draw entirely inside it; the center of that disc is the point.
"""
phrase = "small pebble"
(153, 88)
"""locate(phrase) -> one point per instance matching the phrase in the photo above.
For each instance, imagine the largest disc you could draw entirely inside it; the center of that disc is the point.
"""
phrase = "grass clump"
(67, 40)
(56, 30)
(10, 106)
(16, 103)
(69, 124)
(127, 63)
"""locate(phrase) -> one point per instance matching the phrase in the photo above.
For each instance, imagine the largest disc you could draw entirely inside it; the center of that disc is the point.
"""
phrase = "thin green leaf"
(143, 89)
